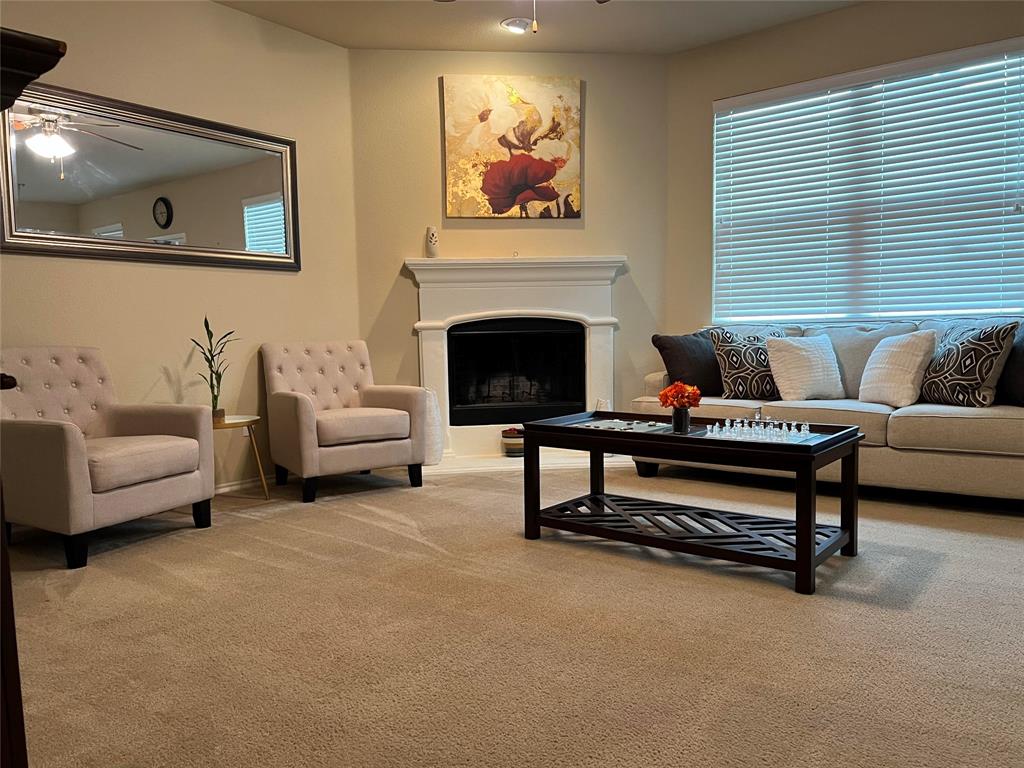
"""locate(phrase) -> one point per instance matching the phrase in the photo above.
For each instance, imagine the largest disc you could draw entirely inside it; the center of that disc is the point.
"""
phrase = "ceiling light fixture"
(49, 145)
(517, 25)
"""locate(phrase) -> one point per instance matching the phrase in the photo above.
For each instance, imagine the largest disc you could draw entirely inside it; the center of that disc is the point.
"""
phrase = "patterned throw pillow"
(746, 373)
(967, 365)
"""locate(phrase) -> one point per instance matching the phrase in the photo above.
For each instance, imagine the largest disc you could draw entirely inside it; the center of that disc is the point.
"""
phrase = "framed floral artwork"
(513, 146)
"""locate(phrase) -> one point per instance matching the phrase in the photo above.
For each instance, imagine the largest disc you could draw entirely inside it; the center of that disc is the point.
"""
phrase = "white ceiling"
(577, 26)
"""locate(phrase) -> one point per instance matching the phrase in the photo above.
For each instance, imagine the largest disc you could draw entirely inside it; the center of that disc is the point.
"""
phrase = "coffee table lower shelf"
(733, 536)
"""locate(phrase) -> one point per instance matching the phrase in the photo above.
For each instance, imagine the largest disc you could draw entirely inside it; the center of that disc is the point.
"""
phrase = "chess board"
(744, 430)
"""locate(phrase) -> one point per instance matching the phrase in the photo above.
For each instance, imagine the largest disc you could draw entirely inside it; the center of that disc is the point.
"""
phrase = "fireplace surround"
(567, 294)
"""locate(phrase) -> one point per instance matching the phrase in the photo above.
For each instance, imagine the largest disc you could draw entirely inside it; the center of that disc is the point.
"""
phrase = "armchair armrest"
(424, 417)
(195, 421)
(291, 421)
(45, 474)
(655, 382)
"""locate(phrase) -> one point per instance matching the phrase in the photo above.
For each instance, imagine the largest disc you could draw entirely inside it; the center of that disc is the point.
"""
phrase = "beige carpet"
(390, 626)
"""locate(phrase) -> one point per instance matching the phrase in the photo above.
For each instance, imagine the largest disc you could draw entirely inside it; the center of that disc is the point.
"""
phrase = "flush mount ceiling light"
(517, 25)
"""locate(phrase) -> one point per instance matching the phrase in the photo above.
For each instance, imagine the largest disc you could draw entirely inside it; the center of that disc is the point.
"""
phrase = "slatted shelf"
(735, 536)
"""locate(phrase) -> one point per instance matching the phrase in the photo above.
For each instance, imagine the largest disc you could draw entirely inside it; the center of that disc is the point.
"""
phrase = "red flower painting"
(513, 146)
(519, 180)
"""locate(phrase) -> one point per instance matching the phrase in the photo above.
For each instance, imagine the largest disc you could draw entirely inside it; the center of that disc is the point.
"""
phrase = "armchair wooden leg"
(309, 486)
(201, 513)
(646, 468)
(9, 532)
(76, 550)
(416, 475)
(280, 475)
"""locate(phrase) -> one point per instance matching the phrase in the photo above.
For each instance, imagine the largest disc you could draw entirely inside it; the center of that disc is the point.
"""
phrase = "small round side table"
(248, 422)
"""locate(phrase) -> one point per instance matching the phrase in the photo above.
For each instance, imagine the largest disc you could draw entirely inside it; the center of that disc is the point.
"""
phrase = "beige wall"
(47, 217)
(207, 207)
(849, 39)
(399, 192)
(209, 61)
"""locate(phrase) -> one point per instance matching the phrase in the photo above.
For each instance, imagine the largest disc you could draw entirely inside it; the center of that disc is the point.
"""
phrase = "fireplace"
(457, 294)
(515, 369)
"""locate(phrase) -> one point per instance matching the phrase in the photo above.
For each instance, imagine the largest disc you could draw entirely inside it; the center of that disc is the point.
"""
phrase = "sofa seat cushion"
(339, 426)
(115, 462)
(998, 429)
(872, 418)
(724, 408)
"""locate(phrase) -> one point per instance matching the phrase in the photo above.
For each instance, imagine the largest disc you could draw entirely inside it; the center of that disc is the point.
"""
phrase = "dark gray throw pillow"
(746, 374)
(1010, 389)
(967, 364)
(691, 360)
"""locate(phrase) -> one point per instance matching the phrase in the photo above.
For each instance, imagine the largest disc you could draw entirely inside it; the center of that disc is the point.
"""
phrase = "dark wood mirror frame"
(82, 246)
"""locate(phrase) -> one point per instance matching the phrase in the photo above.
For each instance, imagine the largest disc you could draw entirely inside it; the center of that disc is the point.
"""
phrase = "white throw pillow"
(896, 369)
(805, 368)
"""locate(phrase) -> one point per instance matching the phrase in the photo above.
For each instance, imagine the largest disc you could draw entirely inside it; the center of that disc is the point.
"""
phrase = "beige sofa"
(327, 417)
(75, 461)
(977, 451)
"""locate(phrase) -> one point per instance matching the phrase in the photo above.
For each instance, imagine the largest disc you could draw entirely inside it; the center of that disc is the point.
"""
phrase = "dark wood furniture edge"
(23, 58)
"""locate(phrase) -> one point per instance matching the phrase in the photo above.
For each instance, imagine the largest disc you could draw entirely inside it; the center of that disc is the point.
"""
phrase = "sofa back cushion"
(331, 373)
(691, 359)
(853, 345)
(58, 383)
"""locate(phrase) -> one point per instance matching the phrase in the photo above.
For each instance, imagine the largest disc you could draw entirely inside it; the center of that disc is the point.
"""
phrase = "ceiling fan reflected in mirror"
(48, 141)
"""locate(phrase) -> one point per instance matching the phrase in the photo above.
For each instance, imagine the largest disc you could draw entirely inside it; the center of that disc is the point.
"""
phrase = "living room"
(348, 550)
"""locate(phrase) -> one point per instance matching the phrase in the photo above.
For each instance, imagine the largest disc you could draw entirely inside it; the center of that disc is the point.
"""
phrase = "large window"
(895, 193)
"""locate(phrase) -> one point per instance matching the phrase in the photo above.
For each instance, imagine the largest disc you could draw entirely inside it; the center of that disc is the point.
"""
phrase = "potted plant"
(680, 398)
(213, 354)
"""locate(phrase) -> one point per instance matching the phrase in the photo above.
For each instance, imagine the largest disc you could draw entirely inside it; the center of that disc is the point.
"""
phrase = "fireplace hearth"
(515, 369)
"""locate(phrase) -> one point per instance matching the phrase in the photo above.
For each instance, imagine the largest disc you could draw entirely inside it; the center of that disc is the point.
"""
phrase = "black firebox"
(516, 369)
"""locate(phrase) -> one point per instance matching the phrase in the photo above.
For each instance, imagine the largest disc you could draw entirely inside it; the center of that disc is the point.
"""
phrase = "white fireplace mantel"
(519, 270)
(453, 291)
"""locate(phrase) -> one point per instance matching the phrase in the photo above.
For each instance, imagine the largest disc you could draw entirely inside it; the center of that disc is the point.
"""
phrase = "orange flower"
(679, 395)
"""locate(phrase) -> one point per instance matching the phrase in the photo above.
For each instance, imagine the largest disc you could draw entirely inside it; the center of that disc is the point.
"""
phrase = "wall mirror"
(98, 178)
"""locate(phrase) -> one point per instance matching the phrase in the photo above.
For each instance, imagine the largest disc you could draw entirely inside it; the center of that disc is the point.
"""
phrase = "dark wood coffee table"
(799, 546)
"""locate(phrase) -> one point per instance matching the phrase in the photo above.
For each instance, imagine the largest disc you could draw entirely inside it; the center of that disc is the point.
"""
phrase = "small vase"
(681, 420)
(432, 243)
(218, 415)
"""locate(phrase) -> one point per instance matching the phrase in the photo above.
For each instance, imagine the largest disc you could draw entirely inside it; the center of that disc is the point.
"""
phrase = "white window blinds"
(899, 197)
(264, 225)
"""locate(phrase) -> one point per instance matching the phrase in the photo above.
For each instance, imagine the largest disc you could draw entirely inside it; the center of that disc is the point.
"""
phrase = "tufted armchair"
(75, 461)
(327, 417)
